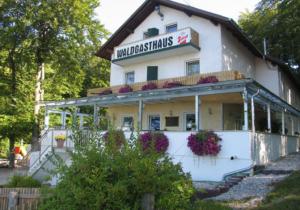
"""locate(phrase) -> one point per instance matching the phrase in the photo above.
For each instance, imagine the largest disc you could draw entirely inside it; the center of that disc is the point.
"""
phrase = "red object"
(17, 150)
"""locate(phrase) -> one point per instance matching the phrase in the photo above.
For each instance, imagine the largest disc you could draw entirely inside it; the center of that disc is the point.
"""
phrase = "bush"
(104, 178)
(22, 181)
(115, 138)
(204, 143)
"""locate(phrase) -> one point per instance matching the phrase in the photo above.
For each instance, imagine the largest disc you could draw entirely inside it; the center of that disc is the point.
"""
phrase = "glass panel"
(192, 67)
(171, 28)
(127, 123)
(233, 116)
(129, 78)
(154, 123)
(190, 122)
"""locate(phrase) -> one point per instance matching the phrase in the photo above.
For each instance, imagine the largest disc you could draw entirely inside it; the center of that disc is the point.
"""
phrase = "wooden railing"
(186, 80)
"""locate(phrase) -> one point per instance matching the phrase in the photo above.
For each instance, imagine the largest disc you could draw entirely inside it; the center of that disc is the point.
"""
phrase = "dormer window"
(171, 28)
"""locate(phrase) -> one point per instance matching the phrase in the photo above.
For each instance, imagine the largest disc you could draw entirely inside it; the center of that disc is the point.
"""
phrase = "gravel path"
(258, 186)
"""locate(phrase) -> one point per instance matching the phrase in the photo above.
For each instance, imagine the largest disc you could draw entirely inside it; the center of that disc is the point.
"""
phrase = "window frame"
(126, 77)
(122, 122)
(170, 25)
(187, 69)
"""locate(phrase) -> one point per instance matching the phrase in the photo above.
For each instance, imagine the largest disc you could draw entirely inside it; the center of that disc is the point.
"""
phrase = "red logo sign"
(182, 39)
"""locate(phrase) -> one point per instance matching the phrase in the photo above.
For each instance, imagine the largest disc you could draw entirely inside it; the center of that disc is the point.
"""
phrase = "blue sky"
(112, 13)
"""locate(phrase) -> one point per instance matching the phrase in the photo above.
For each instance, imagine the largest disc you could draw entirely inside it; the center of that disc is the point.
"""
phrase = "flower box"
(172, 84)
(209, 79)
(125, 89)
(149, 86)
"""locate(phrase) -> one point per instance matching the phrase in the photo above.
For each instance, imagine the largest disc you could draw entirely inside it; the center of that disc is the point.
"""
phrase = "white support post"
(253, 114)
(95, 118)
(63, 119)
(197, 113)
(246, 115)
(282, 123)
(140, 115)
(47, 119)
(80, 121)
(293, 125)
(269, 118)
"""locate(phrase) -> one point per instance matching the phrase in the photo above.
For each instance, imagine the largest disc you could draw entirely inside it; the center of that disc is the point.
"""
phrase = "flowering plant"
(172, 84)
(204, 143)
(60, 137)
(149, 86)
(115, 136)
(125, 89)
(209, 79)
(106, 92)
(156, 140)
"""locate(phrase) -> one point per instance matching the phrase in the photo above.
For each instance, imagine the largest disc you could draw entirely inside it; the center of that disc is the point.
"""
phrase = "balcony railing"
(186, 81)
(184, 40)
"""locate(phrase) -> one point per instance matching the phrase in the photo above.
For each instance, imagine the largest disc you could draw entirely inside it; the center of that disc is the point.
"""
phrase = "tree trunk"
(11, 157)
(39, 96)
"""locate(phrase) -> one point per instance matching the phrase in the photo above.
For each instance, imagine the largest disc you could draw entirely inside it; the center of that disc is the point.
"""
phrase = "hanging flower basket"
(157, 140)
(172, 84)
(149, 86)
(60, 140)
(125, 89)
(115, 137)
(106, 92)
(204, 143)
(209, 79)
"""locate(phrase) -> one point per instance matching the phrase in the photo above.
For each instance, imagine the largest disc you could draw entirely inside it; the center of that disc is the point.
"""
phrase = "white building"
(252, 104)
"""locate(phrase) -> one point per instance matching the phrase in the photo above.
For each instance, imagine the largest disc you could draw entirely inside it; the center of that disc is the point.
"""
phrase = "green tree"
(279, 22)
(45, 46)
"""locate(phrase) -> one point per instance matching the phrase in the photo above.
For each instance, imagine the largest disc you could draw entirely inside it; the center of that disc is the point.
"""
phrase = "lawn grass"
(210, 205)
(285, 196)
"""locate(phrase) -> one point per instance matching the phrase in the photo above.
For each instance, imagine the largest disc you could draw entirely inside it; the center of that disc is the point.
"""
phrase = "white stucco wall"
(267, 75)
(235, 56)
(209, 55)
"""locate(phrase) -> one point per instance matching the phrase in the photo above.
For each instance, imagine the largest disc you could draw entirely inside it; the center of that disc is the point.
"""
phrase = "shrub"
(204, 143)
(23, 181)
(125, 89)
(149, 86)
(155, 140)
(106, 92)
(172, 84)
(103, 178)
(209, 79)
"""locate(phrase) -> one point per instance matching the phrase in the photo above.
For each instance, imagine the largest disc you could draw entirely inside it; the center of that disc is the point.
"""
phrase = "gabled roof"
(148, 7)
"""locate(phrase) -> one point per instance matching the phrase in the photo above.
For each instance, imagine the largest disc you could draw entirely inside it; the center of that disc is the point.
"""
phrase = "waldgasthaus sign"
(153, 44)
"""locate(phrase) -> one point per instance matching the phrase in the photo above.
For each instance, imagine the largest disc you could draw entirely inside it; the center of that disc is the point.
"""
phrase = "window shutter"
(152, 72)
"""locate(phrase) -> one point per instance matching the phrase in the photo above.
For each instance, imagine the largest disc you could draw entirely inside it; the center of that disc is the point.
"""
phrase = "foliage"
(208, 205)
(149, 86)
(4, 148)
(101, 177)
(209, 79)
(154, 141)
(204, 143)
(23, 181)
(279, 22)
(125, 89)
(172, 84)
(114, 138)
(286, 195)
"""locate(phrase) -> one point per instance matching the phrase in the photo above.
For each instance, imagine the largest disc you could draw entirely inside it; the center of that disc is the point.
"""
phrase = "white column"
(47, 119)
(246, 116)
(282, 123)
(95, 118)
(63, 119)
(80, 121)
(198, 123)
(253, 114)
(140, 115)
(269, 118)
(293, 125)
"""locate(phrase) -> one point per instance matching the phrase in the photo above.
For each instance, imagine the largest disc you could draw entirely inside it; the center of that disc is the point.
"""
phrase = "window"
(171, 28)
(190, 122)
(127, 123)
(152, 73)
(192, 68)
(172, 121)
(129, 78)
(154, 122)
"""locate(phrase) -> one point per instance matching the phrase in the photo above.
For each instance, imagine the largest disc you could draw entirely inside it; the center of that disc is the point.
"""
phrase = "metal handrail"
(237, 171)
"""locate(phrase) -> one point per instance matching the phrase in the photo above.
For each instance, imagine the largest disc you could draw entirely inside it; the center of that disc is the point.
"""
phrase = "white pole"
(47, 119)
(253, 110)
(80, 120)
(269, 119)
(140, 115)
(293, 125)
(95, 115)
(246, 123)
(197, 113)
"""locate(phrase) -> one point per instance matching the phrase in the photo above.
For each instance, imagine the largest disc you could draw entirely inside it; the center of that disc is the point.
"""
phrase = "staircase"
(46, 159)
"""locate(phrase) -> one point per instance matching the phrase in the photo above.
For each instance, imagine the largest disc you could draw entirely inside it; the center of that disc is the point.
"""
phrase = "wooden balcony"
(186, 81)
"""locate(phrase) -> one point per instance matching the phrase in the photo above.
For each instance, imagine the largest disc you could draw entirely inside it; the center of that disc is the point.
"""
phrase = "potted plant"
(157, 140)
(149, 86)
(125, 89)
(209, 79)
(60, 140)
